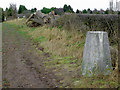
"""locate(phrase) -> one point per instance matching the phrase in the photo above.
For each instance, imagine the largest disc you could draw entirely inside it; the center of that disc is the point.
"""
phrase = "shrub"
(84, 23)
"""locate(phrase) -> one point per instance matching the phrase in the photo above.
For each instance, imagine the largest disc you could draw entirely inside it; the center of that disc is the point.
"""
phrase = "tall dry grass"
(64, 42)
(67, 43)
(84, 23)
(56, 41)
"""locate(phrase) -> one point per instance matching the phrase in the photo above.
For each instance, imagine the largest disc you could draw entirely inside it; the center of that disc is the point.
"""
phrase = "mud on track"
(22, 67)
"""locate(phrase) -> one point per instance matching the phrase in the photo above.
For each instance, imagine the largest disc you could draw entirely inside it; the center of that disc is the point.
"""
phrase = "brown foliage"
(84, 23)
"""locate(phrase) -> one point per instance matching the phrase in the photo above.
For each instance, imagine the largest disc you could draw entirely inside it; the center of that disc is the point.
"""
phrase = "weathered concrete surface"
(96, 56)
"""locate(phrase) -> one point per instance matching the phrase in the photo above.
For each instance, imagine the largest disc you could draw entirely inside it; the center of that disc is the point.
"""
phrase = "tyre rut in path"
(21, 66)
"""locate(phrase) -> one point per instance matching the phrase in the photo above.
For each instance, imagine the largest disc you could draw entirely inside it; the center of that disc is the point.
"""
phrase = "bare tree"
(13, 10)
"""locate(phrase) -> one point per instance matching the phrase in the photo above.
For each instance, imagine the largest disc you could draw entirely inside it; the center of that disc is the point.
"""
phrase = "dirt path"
(22, 67)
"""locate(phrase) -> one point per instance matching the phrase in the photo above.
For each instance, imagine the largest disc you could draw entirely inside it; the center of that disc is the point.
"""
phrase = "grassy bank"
(64, 51)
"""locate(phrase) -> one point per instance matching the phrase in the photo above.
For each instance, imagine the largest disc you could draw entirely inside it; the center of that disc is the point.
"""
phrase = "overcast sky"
(76, 4)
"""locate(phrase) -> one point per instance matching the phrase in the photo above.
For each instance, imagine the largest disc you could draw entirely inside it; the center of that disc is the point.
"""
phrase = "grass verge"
(64, 51)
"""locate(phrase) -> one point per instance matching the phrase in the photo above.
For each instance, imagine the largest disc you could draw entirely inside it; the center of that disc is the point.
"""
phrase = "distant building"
(95, 11)
(59, 11)
(67, 13)
(20, 15)
(115, 6)
(80, 12)
(111, 4)
(118, 6)
(26, 13)
(5, 19)
(102, 11)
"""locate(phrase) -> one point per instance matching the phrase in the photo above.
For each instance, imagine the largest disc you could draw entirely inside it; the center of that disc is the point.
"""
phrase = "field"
(63, 52)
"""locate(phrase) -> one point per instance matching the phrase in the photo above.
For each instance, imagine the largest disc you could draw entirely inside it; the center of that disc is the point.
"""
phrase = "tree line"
(1, 15)
(12, 11)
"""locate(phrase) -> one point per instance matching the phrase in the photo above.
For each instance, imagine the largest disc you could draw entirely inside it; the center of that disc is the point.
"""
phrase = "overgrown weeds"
(66, 52)
(84, 23)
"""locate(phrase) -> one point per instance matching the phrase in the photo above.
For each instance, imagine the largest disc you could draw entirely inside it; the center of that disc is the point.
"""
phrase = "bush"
(84, 23)
(1, 15)
(47, 10)
(22, 8)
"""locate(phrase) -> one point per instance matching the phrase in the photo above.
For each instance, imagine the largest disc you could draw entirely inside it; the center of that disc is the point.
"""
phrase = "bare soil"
(22, 67)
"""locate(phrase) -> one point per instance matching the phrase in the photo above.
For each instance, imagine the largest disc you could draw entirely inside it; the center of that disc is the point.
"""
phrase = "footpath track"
(22, 68)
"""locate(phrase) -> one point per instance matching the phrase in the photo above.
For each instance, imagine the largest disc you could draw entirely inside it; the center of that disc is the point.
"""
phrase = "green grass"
(39, 39)
(5, 83)
(22, 32)
(66, 50)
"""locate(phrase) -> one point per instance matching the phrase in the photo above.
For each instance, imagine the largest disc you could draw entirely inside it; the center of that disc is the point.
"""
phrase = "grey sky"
(76, 4)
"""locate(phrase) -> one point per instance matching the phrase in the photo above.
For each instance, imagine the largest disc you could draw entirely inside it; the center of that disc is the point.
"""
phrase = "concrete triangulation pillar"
(96, 56)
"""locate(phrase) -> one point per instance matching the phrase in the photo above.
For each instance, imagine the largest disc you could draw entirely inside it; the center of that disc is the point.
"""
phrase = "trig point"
(96, 56)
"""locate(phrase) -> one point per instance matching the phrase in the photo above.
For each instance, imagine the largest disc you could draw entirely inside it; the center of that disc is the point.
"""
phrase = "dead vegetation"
(84, 23)
(64, 41)
(38, 19)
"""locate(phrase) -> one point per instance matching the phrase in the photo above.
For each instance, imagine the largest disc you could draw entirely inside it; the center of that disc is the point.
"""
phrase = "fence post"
(96, 56)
